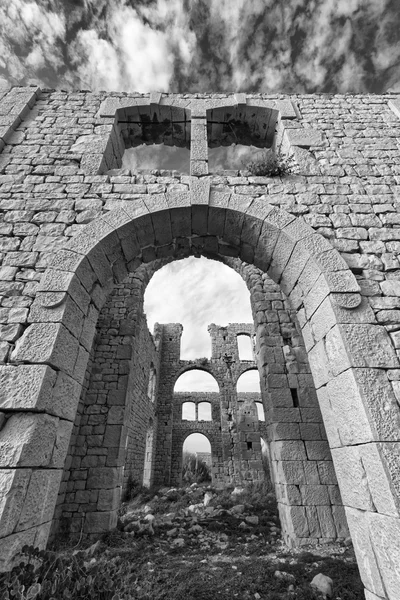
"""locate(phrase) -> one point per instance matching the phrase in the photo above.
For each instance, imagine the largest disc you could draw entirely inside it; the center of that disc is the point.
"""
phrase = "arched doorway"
(350, 381)
(196, 459)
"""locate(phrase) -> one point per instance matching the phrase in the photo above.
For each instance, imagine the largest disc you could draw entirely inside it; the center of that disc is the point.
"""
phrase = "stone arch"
(197, 366)
(356, 399)
(244, 369)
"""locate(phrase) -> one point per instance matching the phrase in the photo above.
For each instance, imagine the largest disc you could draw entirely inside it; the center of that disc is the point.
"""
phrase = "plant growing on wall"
(271, 164)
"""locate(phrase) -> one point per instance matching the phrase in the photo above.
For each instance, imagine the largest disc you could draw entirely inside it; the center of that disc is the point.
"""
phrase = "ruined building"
(86, 392)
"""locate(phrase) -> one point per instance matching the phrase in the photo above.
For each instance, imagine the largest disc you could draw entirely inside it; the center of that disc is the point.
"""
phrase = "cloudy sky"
(202, 45)
(182, 46)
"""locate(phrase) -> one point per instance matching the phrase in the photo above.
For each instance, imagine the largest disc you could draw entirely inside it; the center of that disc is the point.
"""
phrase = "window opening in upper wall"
(249, 382)
(151, 389)
(188, 411)
(260, 411)
(155, 137)
(204, 411)
(245, 347)
(238, 135)
(196, 380)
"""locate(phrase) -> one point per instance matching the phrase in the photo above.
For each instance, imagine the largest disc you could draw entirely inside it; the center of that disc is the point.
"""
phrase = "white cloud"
(197, 292)
(35, 59)
(100, 68)
(26, 24)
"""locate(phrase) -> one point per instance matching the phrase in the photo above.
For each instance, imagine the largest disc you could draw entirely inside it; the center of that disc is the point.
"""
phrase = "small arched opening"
(188, 411)
(245, 347)
(249, 381)
(151, 389)
(155, 136)
(204, 411)
(236, 133)
(148, 456)
(260, 411)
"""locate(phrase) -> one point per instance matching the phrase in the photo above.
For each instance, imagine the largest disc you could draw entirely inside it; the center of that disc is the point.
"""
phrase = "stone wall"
(328, 236)
(115, 412)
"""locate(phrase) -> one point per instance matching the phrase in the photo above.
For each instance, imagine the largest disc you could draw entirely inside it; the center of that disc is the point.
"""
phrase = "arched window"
(196, 380)
(204, 411)
(155, 137)
(148, 456)
(249, 382)
(217, 292)
(260, 411)
(245, 347)
(188, 411)
(239, 134)
(151, 389)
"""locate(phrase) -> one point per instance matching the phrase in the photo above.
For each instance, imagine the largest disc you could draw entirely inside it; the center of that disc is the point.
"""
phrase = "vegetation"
(190, 552)
(194, 470)
(271, 164)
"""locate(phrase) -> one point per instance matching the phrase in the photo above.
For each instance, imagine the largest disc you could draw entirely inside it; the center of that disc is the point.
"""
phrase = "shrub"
(194, 470)
(43, 575)
(271, 164)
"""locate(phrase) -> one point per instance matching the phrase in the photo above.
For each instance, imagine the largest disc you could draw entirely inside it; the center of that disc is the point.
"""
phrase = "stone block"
(328, 314)
(38, 388)
(370, 596)
(289, 472)
(366, 558)
(10, 332)
(352, 478)
(350, 345)
(326, 521)
(48, 343)
(385, 537)
(317, 450)
(12, 544)
(104, 478)
(288, 450)
(40, 498)
(13, 486)
(265, 246)
(313, 522)
(314, 495)
(304, 137)
(109, 500)
(311, 473)
(379, 461)
(298, 524)
(326, 472)
(284, 431)
(363, 406)
(100, 522)
(319, 364)
(29, 440)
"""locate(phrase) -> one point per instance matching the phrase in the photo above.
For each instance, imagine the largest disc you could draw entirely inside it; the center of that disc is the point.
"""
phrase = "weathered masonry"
(86, 392)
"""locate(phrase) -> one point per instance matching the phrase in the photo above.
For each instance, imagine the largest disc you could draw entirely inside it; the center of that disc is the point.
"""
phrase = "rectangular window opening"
(249, 445)
(295, 397)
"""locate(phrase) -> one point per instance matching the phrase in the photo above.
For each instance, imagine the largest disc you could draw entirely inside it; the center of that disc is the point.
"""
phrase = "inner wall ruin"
(87, 392)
